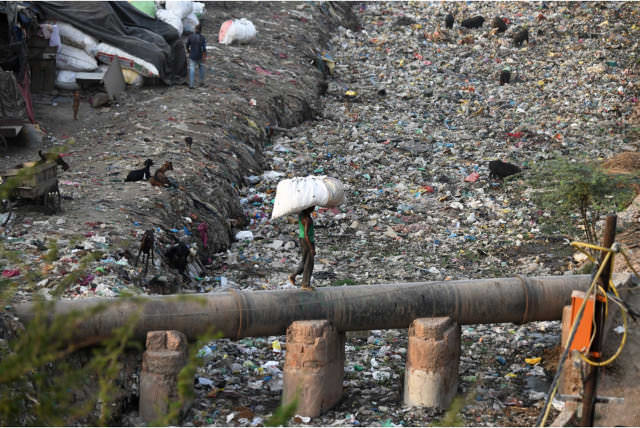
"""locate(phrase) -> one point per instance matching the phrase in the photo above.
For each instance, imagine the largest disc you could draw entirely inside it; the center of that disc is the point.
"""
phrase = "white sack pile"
(238, 30)
(296, 194)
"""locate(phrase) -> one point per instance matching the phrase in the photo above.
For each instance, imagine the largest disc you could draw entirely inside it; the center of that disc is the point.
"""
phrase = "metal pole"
(237, 314)
(591, 379)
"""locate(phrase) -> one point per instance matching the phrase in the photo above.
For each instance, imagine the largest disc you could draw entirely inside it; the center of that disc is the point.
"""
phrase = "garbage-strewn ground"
(428, 111)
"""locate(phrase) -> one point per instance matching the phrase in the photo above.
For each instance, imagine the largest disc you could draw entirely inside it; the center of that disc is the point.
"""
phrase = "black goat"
(499, 169)
(140, 174)
(499, 24)
(146, 249)
(448, 21)
(520, 37)
(177, 257)
(475, 22)
(505, 77)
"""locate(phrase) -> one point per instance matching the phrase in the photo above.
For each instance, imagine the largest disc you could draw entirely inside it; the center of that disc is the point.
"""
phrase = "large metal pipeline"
(237, 314)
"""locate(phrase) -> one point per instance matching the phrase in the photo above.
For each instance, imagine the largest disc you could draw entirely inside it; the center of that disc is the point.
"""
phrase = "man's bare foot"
(307, 288)
(292, 279)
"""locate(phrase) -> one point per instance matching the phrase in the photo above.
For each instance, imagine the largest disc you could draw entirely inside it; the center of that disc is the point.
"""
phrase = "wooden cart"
(37, 182)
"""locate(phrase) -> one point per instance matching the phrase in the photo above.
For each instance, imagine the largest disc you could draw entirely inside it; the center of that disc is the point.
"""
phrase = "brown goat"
(159, 178)
(146, 249)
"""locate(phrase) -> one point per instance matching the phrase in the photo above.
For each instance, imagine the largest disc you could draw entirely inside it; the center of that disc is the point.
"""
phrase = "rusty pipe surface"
(237, 314)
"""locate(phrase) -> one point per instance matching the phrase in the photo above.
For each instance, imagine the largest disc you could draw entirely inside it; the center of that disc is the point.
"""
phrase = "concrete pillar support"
(165, 356)
(314, 366)
(433, 357)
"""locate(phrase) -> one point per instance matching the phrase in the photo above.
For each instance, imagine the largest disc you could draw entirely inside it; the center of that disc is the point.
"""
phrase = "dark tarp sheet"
(100, 20)
(132, 17)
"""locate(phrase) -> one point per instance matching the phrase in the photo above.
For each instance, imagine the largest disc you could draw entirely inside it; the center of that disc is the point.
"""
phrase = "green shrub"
(575, 195)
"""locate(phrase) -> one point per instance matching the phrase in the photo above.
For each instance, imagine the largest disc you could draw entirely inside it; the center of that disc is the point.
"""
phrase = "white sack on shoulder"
(296, 194)
(74, 59)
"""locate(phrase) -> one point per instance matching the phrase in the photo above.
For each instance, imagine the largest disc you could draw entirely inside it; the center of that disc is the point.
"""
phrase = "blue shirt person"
(197, 49)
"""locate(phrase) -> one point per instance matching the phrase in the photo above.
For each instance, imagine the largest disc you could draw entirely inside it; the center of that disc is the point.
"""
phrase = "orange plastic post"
(582, 338)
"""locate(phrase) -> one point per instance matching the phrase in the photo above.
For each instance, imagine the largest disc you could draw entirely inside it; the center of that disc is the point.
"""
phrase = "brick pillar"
(570, 379)
(433, 357)
(165, 356)
(314, 366)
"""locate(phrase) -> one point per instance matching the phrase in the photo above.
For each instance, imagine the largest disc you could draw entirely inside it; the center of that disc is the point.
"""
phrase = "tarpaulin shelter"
(16, 24)
(123, 26)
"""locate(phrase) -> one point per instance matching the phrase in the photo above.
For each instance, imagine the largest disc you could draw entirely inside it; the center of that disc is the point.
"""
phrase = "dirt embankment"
(251, 92)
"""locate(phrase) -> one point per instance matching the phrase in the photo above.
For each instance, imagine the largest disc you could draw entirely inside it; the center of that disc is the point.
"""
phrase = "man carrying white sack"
(307, 247)
(300, 195)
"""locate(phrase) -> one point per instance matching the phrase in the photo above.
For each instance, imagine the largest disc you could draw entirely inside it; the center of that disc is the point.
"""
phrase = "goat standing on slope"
(146, 248)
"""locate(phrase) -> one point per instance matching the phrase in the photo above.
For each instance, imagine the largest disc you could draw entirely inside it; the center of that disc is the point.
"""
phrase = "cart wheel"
(52, 201)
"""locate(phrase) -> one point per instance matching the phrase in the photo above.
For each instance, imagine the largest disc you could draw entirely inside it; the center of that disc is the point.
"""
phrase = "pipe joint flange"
(525, 287)
(616, 247)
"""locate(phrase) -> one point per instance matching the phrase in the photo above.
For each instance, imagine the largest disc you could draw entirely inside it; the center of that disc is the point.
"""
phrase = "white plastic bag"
(66, 79)
(170, 18)
(189, 23)
(181, 9)
(240, 30)
(107, 54)
(74, 59)
(296, 194)
(71, 36)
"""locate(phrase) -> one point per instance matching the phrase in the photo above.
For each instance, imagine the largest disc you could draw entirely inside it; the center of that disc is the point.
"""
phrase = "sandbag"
(71, 36)
(107, 54)
(198, 8)
(190, 23)
(240, 30)
(74, 59)
(66, 79)
(296, 194)
(181, 9)
(171, 18)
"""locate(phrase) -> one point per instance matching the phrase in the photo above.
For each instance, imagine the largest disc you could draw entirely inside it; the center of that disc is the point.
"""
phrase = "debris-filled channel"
(407, 113)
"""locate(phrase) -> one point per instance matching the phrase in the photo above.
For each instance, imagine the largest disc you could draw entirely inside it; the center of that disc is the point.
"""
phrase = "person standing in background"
(197, 49)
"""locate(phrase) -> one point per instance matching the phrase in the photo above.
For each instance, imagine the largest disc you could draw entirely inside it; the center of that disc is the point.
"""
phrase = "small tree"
(569, 190)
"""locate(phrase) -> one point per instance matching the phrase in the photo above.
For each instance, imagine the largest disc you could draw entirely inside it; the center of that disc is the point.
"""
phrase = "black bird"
(499, 169)
(499, 24)
(475, 22)
(505, 76)
(189, 141)
(448, 21)
(520, 37)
